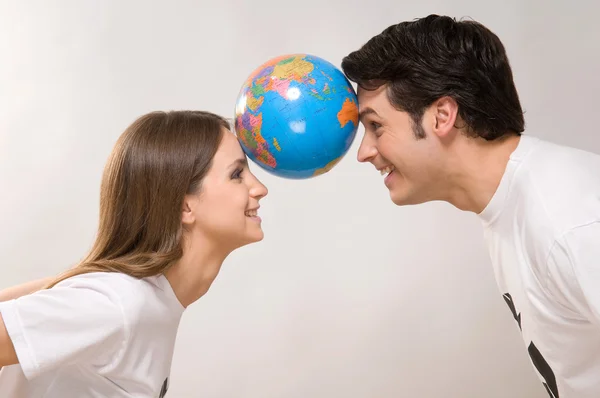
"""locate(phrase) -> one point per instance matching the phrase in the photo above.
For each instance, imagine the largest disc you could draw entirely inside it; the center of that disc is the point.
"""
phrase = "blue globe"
(296, 116)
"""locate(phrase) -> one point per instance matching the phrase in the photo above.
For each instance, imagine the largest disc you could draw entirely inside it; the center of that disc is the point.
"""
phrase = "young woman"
(177, 198)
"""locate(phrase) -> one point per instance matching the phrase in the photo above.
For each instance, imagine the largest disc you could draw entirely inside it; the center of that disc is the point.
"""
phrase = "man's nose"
(366, 150)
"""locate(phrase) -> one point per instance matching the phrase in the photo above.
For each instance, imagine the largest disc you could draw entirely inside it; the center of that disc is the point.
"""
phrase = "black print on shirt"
(511, 305)
(164, 389)
(536, 356)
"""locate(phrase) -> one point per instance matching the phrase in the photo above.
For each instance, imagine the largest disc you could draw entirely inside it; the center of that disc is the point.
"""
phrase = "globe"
(296, 116)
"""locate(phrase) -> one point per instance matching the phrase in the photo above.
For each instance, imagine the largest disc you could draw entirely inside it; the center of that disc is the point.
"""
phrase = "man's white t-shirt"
(93, 335)
(542, 228)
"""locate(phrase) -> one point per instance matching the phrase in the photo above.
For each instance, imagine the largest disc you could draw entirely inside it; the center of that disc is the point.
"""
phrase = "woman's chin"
(259, 236)
(253, 237)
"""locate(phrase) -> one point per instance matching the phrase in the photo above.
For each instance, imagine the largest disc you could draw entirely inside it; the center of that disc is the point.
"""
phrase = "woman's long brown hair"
(159, 159)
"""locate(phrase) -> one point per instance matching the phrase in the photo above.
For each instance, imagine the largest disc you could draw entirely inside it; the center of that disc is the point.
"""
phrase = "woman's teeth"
(387, 170)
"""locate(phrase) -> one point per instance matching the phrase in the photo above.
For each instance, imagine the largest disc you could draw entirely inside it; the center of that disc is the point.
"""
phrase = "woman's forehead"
(229, 149)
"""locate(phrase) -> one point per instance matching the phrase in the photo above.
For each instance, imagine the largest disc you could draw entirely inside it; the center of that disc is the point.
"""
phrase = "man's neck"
(477, 169)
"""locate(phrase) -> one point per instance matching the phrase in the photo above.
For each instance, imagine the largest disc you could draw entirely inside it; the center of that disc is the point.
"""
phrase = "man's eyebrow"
(366, 111)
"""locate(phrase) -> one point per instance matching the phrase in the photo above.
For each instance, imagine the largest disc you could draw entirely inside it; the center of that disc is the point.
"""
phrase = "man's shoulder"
(552, 155)
(559, 186)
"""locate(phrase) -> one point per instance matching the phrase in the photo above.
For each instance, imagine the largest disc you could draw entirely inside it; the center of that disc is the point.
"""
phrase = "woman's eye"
(237, 174)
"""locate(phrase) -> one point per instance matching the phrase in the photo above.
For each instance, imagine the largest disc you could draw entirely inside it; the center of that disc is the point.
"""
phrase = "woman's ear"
(187, 211)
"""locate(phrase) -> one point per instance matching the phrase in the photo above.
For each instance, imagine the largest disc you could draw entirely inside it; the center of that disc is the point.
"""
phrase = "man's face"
(410, 164)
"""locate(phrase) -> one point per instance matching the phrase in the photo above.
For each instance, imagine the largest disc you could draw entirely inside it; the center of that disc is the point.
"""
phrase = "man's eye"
(375, 125)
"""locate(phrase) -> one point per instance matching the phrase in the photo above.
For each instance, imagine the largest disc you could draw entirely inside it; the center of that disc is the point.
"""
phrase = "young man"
(443, 121)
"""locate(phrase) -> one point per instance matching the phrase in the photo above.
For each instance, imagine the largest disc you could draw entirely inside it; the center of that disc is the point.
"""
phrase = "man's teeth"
(387, 170)
(250, 213)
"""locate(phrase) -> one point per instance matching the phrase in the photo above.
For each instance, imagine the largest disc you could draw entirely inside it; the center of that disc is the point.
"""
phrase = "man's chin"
(403, 199)
(398, 200)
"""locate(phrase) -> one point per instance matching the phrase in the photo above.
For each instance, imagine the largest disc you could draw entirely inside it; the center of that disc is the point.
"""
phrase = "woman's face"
(225, 209)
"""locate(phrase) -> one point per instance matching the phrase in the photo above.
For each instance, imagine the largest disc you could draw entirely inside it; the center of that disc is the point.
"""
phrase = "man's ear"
(445, 114)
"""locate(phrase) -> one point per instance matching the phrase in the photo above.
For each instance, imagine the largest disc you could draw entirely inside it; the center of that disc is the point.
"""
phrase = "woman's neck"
(195, 272)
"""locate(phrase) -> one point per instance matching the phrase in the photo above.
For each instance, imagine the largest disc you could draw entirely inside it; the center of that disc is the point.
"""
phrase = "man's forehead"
(364, 98)
(367, 96)
(368, 105)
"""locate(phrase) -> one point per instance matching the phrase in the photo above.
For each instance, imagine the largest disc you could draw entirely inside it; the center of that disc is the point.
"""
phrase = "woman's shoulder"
(105, 283)
(114, 281)
(138, 297)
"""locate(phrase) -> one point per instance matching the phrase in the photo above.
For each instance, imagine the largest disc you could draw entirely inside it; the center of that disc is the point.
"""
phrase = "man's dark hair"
(436, 56)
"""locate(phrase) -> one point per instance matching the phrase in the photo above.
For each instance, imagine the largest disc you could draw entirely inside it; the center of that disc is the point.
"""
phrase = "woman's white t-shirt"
(93, 335)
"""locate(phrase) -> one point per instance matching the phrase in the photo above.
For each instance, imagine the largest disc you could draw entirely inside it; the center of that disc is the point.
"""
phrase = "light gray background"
(348, 295)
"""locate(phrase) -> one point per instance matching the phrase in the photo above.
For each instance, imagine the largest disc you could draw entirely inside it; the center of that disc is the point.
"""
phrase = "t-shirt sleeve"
(78, 321)
(574, 270)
